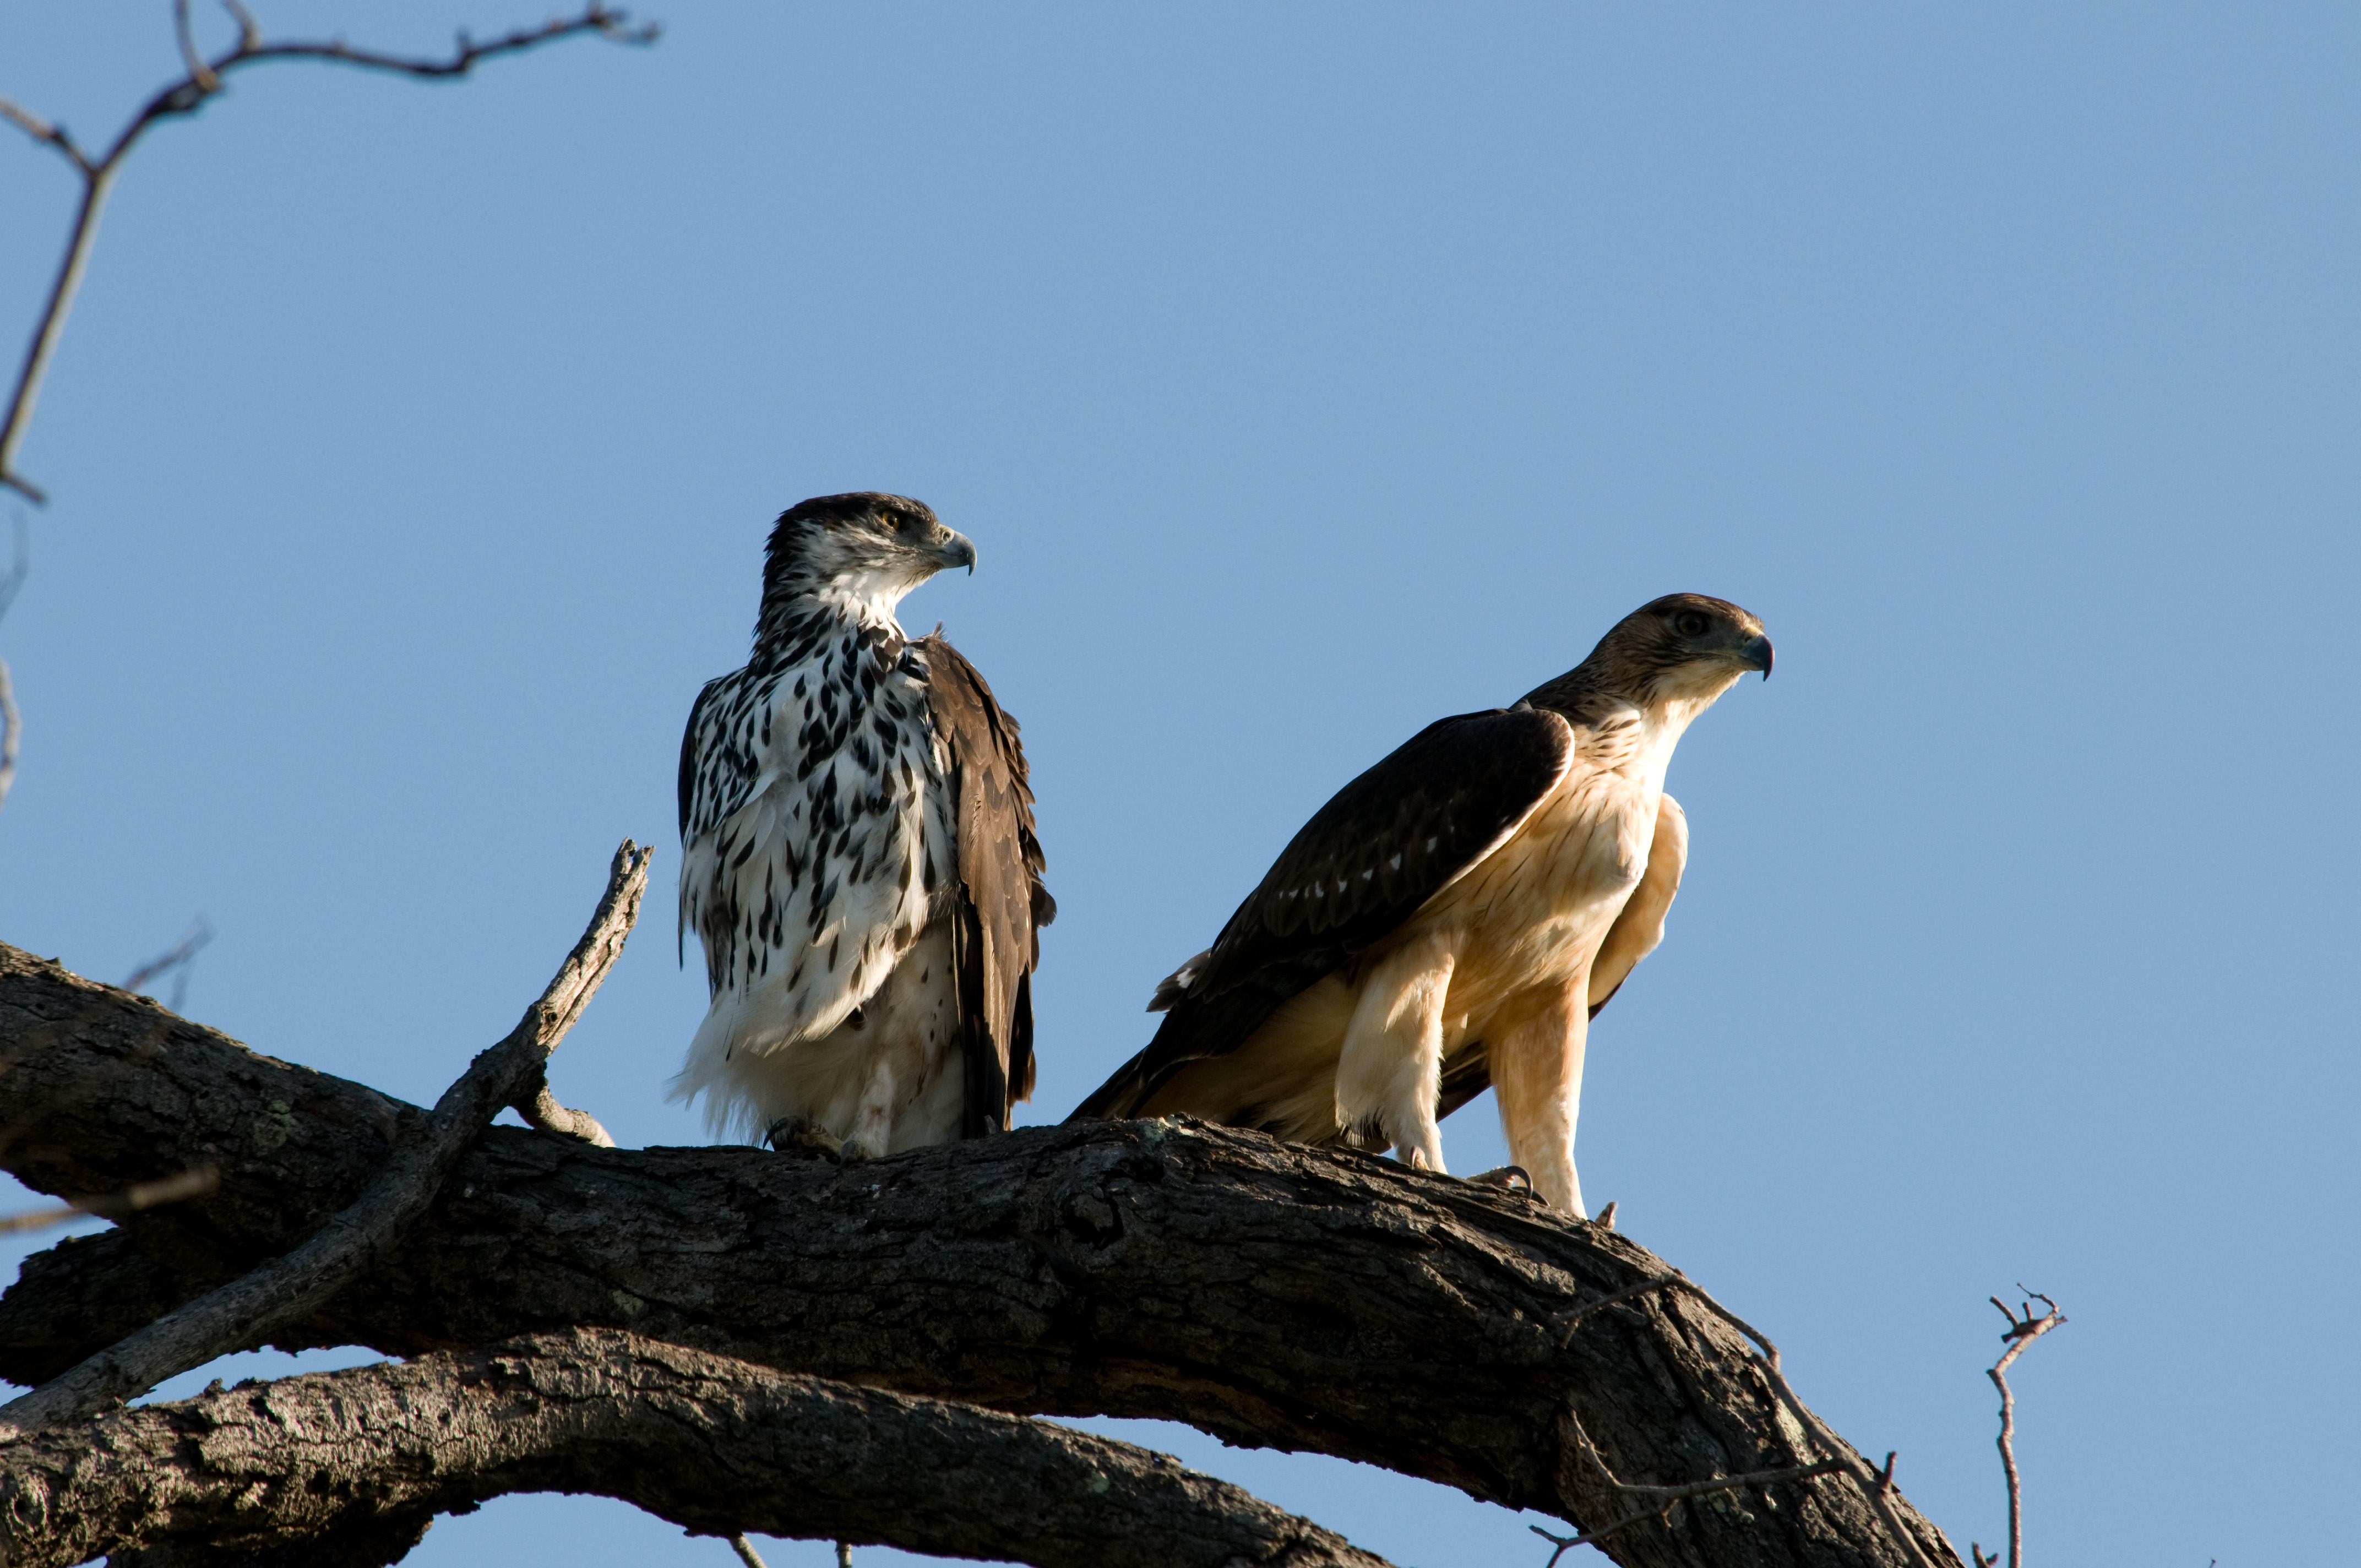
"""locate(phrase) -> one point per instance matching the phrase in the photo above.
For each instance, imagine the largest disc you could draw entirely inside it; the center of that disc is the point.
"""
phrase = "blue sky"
(1305, 374)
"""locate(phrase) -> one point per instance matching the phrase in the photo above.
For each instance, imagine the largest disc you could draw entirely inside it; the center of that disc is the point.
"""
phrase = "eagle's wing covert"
(1385, 844)
(996, 942)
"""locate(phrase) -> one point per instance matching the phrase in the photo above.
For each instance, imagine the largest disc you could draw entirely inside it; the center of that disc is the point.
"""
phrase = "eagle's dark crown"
(865, 547)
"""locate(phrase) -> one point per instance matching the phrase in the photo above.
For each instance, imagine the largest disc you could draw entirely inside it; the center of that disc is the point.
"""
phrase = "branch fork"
(291, 1287)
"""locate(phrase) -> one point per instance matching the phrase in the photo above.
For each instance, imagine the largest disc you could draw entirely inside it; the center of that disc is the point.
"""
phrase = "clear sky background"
(1303, 374)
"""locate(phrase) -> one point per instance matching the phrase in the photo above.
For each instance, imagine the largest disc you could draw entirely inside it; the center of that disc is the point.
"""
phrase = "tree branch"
(2021, 1333)
(1272, 1294)
(715, 1446)
(288, 1289)
(203, 82)
(131, 1200)
(12, 723)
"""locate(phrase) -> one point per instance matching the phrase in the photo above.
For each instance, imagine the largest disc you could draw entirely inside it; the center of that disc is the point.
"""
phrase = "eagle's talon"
(795, 1134)
(1512, 1178)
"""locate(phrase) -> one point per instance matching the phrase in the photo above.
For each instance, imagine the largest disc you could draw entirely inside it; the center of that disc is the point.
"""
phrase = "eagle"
(1455, 917)
(858, 857)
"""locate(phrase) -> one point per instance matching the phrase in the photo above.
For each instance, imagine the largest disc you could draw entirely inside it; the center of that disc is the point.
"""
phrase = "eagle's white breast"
(819, 830)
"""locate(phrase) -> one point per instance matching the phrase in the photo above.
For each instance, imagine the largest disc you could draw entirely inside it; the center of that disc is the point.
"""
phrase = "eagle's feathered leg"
(1537, 1073)
(873, 1124)
(1390, 1073)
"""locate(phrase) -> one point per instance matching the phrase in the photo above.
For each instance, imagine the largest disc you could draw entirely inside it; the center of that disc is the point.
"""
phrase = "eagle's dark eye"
(1689, 623)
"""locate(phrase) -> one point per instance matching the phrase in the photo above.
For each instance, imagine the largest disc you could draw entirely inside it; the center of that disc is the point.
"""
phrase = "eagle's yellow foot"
(794, 1134)
(1512, 1179)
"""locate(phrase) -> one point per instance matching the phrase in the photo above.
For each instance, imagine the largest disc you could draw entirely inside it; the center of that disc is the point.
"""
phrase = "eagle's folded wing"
(1388, 841)
(995, 941)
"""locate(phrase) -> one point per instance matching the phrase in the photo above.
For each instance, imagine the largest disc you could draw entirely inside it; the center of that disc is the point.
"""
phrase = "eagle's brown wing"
(1635, 934)
(1388, 842)
(995, 942)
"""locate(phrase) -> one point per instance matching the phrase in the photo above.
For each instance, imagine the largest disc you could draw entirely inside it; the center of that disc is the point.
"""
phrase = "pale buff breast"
(1525, 923)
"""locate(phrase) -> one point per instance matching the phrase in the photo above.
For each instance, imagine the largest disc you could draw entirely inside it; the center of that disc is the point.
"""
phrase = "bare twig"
(12, 729)
(203, 82)
(20, 561)
(198, 72)
(12, 723)
(1877, 1489)
(179, 959)
(1660, 1499)
(2022, 1331)
(845, 1554)
(746, 1552)
(291, 1287)
(115, 1205)
(539, 1109)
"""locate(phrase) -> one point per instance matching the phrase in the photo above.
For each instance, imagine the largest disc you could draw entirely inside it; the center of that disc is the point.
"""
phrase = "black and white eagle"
(858, 856)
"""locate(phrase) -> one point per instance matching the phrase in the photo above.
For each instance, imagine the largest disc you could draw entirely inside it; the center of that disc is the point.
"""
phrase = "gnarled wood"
(716, 1445)
(1271, 1294)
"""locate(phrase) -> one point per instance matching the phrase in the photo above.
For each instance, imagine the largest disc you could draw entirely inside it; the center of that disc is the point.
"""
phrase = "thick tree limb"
(1271, 1294)
(288, 1289)
(715, 1446)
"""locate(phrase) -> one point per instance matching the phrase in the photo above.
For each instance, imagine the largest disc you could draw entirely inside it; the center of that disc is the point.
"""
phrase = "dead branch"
(2022, 1331)
(289, 1287)
(132, 1200)
(1657, 1501)
(1271, 1294)
(541, 1109)
(715, 1446)
(1877, 1487)
(12, 723)
(204, 81)
(176, 961)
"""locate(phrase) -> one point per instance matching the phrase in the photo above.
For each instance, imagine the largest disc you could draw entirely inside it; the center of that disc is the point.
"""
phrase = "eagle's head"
(1681, 651)
(866, 547)
(1684, 648)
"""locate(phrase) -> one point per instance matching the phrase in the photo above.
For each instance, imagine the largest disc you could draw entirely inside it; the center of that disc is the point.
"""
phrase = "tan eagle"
(858, 856)
(1455, 916)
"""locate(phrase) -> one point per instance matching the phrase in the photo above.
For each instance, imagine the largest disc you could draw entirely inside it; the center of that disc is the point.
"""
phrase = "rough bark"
(1271, 1294)
(358, 1460)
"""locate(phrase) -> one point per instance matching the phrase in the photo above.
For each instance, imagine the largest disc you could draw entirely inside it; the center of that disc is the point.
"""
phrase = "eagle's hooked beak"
(957, 550)
(1756, 655)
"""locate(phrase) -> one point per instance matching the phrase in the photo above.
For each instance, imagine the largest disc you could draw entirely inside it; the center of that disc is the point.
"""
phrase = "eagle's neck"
(1634, 735)
(851, 604)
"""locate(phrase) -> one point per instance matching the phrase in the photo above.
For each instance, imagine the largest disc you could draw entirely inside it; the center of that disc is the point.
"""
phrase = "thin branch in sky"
(12, 722)
(115, 1205)
(204, 80)
(2021, 1333)
(176, 962)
